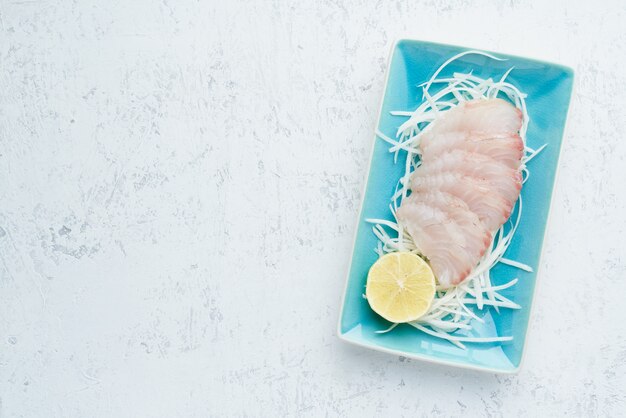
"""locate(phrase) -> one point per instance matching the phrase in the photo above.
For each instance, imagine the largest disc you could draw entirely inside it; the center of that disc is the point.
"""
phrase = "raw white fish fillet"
(508, 149)
(477, 116)
(504, 180)
(492, 208)
(466, 186)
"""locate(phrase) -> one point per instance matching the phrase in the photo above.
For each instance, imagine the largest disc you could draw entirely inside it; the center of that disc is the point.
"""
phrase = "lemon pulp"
(400, 287)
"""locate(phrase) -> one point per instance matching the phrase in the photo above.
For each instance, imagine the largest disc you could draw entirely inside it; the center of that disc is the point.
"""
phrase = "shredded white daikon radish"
(450, 316)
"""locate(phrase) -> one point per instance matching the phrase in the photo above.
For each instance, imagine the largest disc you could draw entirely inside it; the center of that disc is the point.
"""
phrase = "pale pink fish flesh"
(478, 116)
(448, 261)
(492, 208)
(507, 149)
(504, 180)
(466, 187)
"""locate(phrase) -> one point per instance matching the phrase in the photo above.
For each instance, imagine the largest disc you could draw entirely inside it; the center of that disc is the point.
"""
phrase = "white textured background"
(179, 184)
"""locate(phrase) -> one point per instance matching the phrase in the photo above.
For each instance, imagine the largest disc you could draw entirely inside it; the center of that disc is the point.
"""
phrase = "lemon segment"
(400, 287)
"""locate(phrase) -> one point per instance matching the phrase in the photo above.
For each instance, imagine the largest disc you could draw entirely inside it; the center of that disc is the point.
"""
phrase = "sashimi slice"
(473, 235)
(506, 148)
(504, 180)
(491, 208)
(449, 261)
(447, 232)
(478, 116)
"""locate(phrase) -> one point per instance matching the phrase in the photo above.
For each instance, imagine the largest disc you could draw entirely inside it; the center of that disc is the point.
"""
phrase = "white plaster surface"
(179, 184)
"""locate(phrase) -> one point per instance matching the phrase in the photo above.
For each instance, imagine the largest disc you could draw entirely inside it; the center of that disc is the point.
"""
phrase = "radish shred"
(449, 316)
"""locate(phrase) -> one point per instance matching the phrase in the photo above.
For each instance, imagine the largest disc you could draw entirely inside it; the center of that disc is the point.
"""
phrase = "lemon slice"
(400, 287)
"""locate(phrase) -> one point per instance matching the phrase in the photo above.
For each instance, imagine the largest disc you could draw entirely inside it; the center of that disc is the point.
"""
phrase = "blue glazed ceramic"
(549, 88)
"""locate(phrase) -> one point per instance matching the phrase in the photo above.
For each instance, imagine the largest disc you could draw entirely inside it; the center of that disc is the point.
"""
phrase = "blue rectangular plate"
(549, 88)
